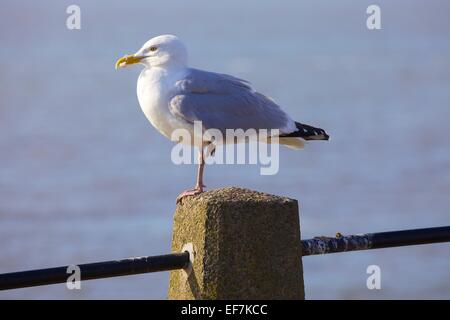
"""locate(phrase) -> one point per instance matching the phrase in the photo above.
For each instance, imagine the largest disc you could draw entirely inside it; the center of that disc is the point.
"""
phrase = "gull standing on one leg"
(173, 96)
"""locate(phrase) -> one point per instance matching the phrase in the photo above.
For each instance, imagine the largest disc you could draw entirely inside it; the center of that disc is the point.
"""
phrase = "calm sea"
(85, 178)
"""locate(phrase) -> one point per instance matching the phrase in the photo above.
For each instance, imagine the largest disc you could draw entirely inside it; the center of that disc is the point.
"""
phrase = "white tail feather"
(292, 143)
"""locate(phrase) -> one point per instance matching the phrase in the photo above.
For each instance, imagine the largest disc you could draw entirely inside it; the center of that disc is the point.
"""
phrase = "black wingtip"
(308, 132)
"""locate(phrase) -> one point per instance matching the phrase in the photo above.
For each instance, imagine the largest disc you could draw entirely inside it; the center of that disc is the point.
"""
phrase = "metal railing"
(99, 270)
(174, 261)
(367, 241)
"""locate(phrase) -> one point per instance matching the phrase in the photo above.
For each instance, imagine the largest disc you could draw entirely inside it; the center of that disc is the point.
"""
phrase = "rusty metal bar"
(324, 245)
(315, 246)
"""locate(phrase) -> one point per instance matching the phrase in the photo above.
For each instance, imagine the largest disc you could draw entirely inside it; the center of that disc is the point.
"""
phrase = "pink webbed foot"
(190, 192)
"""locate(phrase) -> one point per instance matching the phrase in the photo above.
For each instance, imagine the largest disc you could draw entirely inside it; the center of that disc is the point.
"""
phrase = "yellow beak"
(127, 60)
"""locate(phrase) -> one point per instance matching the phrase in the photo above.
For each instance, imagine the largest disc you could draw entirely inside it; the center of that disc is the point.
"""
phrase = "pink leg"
(199, 185)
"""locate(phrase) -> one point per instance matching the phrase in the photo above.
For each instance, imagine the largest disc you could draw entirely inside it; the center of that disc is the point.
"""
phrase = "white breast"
(154, 89)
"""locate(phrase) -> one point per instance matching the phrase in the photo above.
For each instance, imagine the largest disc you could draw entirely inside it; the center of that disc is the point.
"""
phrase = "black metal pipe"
(410, 237)
(130, 266)
(324, 245)
(97, 270)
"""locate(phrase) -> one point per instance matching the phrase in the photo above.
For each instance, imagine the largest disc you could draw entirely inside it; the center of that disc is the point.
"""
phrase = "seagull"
(174, 96)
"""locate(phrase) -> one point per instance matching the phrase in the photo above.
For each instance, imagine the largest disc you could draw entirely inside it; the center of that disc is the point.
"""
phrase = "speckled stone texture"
(246, 244)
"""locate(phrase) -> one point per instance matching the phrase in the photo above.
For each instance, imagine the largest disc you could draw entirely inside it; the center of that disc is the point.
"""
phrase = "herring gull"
(174, 96)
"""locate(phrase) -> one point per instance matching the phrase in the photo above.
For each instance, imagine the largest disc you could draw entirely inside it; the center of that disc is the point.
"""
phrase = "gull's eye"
(153, 48)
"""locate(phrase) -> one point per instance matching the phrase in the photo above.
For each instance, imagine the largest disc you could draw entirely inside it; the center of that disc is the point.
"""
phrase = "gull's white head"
(161, 51)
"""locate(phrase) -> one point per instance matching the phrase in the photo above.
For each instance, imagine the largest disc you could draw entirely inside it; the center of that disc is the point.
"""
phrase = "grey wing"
(224, 102)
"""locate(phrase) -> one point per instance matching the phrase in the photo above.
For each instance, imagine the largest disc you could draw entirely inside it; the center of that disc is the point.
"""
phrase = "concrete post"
(244, 244)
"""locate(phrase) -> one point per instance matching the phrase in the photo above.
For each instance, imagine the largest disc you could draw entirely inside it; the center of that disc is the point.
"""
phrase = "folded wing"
(224, 102)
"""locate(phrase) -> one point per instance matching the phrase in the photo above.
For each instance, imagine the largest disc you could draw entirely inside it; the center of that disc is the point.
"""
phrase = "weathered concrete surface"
(246, 243)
